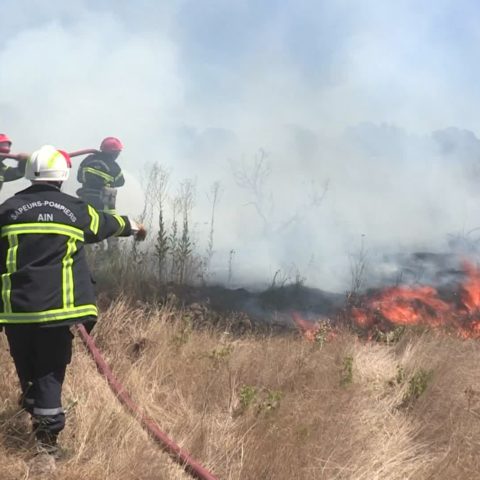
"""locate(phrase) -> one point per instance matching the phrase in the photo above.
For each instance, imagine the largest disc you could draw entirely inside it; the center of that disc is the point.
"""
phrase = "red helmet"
(111, 145)
(5, 140)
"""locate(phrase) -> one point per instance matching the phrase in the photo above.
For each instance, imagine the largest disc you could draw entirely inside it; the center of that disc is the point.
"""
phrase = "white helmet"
(48, 164)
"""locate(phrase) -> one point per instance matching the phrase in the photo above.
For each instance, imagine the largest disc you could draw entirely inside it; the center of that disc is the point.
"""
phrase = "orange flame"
(310, 330)
(470, 291)
(306, 328)
(403, 305)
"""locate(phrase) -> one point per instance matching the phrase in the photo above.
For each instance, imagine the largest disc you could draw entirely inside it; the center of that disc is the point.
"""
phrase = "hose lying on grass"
(168, 445)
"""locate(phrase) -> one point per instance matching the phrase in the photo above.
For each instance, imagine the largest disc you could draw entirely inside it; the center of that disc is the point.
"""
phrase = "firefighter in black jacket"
(45, 282)
(9, 174)
(100, 176)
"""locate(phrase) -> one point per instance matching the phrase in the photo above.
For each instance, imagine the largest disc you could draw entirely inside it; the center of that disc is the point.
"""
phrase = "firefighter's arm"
(119, 180)
(103, 225)
(81, 173)
(14, 173)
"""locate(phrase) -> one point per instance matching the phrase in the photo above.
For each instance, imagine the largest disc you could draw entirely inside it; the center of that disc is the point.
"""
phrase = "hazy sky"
(107, 64)
(344, 91)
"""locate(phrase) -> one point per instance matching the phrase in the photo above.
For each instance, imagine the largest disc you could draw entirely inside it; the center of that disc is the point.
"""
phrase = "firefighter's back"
(45, 274)
(100, 176)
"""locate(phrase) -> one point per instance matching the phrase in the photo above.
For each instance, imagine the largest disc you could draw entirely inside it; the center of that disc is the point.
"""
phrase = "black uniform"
(45, 287)
(100, 176)
(9, 174)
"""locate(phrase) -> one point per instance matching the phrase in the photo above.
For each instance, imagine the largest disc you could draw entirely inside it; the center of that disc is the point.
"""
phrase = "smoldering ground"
(350, 104)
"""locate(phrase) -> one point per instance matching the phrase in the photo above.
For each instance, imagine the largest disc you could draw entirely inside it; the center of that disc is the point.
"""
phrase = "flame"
(312, 330)
(306, 328)
(400, 306)
(470, 292)
(362, 318)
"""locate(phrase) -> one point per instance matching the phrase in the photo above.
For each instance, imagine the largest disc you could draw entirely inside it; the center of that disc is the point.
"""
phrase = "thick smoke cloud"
(351, 103)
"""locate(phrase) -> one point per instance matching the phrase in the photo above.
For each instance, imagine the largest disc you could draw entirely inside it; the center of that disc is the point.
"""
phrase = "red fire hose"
(180, 456)
(85, 151)
(77, 153)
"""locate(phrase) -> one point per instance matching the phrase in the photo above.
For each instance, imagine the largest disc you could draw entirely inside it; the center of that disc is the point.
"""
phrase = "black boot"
(47, 442)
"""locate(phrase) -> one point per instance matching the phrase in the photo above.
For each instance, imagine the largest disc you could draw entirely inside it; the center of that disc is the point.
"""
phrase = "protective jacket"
(100, 176)
(43, 269)
(9, 174)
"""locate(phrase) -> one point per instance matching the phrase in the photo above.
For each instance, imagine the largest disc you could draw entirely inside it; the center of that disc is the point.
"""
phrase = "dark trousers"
(41, 355)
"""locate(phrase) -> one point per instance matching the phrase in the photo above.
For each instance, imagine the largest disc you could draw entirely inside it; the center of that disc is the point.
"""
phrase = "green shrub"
(346, 374)
(247, 396)
(417, 384)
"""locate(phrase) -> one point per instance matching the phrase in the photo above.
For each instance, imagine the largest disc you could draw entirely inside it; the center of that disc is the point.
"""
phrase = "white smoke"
(340, 93)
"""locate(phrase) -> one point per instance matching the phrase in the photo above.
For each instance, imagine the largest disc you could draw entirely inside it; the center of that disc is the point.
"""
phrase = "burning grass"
(262, 407)
(456, 310)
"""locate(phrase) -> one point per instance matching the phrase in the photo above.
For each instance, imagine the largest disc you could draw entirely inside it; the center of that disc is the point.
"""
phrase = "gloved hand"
(141, 234)
(138, 230)
(22, 157)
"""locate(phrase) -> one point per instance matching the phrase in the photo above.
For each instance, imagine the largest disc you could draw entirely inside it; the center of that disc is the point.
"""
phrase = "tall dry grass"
(263, 407)
(101, 440)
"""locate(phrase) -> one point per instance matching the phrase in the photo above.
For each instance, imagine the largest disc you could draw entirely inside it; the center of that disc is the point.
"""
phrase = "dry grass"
(263, 407)
(103, 441)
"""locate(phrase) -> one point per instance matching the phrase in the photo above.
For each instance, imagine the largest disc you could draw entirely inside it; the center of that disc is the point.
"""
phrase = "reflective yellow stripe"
(99, 173)
(67, 274)
(43, 228)
(94, 219)
(121, 222)
(12, 231)
(49, 315)
(11, 267)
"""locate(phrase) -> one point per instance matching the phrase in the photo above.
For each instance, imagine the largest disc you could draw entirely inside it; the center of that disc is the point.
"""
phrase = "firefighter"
(100, 176)
(9, 174)
(45, 283)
